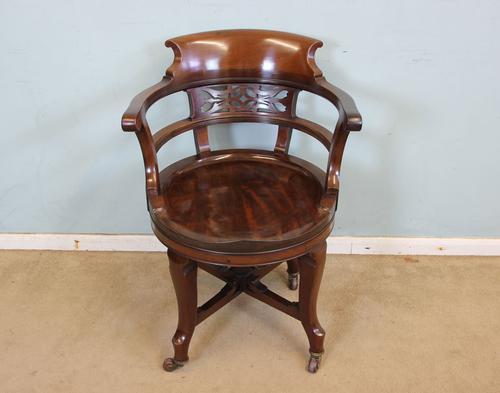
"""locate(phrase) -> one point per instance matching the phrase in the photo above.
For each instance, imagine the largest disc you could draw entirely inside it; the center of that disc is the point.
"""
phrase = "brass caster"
(293, 281)
(171, 364)
(314, 362)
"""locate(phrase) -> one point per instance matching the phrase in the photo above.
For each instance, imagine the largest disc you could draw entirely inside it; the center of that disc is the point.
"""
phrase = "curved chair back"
(235, 76)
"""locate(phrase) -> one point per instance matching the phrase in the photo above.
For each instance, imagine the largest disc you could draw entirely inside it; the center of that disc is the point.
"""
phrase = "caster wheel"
(314, 362)
(293, 281)
(171, 364)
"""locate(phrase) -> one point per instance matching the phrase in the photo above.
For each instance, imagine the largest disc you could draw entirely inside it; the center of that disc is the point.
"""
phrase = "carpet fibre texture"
(103, 321)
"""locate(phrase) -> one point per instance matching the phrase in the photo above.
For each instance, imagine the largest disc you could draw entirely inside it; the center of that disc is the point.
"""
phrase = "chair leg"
(293, 274)
(311, 268)
(183, 272)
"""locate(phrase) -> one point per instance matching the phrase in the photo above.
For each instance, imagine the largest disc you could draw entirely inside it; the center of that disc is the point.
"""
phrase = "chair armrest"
(343, 102)
(135, 116)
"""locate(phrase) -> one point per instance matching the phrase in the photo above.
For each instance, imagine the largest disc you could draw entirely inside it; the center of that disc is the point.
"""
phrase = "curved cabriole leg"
(183, 272)
(311, 268)
(293, 274)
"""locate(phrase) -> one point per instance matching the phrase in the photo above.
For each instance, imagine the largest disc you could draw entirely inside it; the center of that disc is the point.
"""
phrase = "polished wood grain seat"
(243, 202)
(239, 214)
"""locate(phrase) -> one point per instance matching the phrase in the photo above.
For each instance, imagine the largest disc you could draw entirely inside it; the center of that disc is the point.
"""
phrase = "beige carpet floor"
(102, 322)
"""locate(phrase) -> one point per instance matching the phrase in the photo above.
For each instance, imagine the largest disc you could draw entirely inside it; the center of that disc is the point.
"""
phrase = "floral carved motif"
(242, 98)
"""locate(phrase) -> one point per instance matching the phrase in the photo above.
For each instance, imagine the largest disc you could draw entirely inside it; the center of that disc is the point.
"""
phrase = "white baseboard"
(80, 242)
(336, 244)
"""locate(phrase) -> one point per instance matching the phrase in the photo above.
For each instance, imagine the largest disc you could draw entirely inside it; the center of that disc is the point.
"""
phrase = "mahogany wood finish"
(238, 214)
(311, 270)
(183, 272)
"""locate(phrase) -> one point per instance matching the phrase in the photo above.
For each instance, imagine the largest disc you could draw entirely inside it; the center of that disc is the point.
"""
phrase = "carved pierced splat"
(245, 97)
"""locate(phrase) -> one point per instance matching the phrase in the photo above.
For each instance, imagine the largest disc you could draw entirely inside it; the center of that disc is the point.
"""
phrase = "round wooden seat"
(241, 202)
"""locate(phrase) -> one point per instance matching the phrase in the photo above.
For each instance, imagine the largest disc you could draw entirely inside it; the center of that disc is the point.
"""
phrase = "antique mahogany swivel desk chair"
(240, 213)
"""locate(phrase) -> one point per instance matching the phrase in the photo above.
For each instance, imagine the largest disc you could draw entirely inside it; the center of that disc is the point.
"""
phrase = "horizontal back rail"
(311, 128)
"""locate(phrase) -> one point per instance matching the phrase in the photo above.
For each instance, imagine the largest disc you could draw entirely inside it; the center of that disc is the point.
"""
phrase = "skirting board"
(336, 244)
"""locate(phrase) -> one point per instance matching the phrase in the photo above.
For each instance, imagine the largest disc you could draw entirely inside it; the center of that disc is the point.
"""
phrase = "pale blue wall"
(424, 75)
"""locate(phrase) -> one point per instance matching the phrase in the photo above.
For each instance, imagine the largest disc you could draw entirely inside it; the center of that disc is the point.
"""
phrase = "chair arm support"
(134, 119)
(349, 120)
(332, 183)
(150, 162)
(343, 102)
(337, 147)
